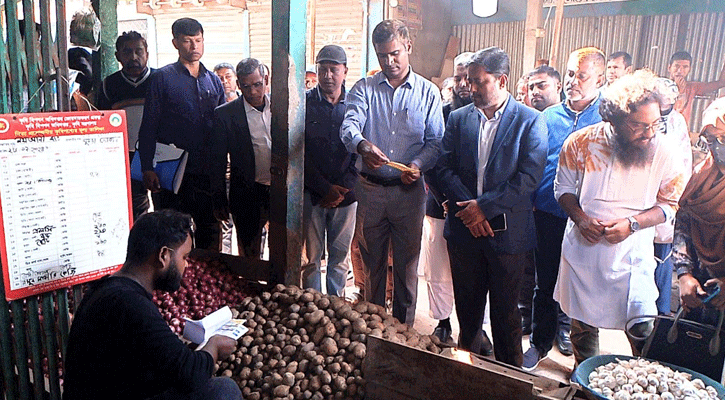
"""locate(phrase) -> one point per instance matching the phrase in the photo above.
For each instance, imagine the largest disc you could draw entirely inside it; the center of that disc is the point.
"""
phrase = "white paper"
(219, 322)
(65, 206)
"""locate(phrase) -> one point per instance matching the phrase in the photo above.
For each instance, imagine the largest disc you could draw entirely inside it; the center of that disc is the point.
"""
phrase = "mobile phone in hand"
(711, 292)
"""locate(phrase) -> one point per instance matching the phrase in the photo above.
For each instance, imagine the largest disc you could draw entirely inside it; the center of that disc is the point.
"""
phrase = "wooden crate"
(397, 372)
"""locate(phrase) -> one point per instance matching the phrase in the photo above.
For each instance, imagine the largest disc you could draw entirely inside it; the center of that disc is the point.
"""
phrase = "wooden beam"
(534, 11)
(556, 37)
(288, 123)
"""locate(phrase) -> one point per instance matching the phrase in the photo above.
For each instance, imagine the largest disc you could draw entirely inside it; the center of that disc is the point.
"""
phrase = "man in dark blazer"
(494, 152)
(242, 131)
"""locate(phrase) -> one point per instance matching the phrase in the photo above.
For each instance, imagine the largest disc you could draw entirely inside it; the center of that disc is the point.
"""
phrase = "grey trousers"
(392, 215)
(585, 339)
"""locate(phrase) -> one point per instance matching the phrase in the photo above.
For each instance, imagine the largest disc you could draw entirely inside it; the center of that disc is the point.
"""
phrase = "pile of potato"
(303, 344)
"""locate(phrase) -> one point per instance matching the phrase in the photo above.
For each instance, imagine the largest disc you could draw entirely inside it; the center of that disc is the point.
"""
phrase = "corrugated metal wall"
(224, 35)
(260, 30)
(509, 36)
(650, 39)
(337, 22)
(706, 42)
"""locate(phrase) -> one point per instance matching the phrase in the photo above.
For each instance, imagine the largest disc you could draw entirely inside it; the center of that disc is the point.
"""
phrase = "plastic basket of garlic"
(628, 378)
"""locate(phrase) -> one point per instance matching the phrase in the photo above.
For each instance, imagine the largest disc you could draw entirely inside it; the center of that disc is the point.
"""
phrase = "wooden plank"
(556, 39)
(61, 40)
(393, 371)
(49, 342)
(534, 10)
(36, 347)
(6, 352)
(31, 40)
(46, 51)
(15, 52)
(250, 269)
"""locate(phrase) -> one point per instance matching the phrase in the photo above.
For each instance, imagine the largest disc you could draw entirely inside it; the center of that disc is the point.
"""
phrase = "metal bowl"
(581, 374)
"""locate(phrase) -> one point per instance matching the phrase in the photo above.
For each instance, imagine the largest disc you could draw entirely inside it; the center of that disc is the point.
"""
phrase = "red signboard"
(65, 204)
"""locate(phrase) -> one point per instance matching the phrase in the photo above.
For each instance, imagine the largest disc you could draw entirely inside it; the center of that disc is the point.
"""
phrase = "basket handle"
(672, 333)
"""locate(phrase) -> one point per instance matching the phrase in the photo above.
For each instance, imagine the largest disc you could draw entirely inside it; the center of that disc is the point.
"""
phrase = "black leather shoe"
(443, 333)
(563, 342)
(486, 346)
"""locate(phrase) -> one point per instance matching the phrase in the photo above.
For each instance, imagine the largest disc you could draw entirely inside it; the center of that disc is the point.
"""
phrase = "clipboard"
(169, 165)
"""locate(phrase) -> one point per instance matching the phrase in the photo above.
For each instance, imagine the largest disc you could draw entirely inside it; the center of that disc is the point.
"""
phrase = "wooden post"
(534, 10)
(556, 37)
(288, 123)
(313, 29)
(104, 61)
(46, 47)
(62, 67)
(31, 41)
(375, 15)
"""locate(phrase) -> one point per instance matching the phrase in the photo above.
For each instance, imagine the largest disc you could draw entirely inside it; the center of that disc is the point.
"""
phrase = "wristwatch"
(633, 224)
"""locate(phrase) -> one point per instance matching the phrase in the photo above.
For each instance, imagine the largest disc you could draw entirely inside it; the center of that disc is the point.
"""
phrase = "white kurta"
(437, 268)
(605, 284)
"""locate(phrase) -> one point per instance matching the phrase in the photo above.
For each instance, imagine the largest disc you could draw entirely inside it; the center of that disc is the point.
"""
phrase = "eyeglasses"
(639, 128)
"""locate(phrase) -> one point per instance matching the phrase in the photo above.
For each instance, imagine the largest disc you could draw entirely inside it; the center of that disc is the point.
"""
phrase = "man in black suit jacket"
(494, 152)
(242, 131)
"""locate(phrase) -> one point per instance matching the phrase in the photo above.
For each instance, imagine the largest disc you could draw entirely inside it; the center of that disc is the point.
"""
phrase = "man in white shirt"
(616, 180)
(242, 130)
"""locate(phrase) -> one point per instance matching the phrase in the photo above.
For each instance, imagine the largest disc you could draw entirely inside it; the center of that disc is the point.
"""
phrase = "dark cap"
(332, 53)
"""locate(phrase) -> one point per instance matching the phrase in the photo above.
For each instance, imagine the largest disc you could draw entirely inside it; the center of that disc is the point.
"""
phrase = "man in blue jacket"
(330, 176)
(494, 152)
(584, 76)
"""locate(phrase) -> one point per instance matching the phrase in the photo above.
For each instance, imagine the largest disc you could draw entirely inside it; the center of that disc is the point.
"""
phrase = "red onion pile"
(205, 287)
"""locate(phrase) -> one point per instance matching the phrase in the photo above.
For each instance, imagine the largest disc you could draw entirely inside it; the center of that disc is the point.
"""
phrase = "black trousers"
(477, 271)
(547, 316)
(195, 199)
(250, 222)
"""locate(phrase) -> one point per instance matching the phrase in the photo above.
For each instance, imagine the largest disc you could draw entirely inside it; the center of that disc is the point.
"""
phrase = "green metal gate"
(33, 78)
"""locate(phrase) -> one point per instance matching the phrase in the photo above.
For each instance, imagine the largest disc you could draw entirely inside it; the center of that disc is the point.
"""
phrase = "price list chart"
(65, 207)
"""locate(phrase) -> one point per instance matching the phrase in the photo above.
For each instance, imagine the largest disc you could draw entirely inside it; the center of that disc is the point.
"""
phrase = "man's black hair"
(626, 57)
(249, 65)
(680, 55)
(130, 36)
(389, 30)
(223, 65)
(493, 60)
(152, 231)
(186, 27)
(547, 70)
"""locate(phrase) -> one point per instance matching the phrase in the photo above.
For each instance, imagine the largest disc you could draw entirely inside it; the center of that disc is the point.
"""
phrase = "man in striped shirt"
(393, 116)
